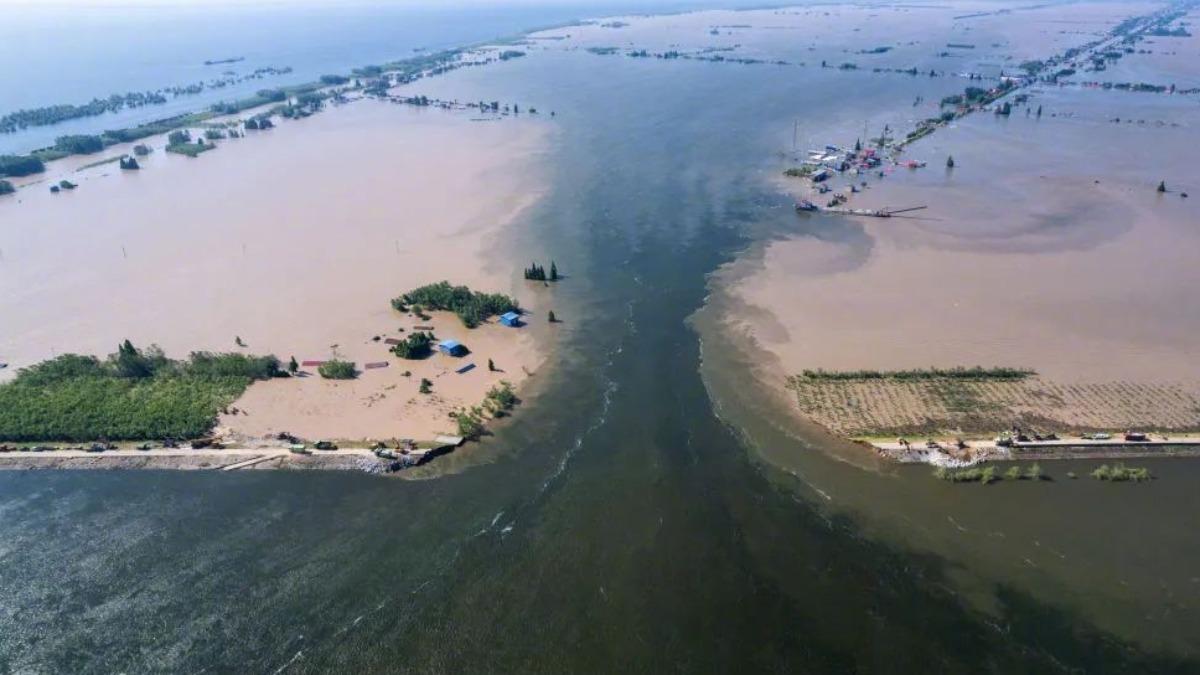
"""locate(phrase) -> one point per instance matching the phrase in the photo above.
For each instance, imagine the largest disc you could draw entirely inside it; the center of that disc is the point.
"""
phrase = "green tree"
(6, 188)
(553, 271)
(426, 386)
(293, 366)
(553, 319)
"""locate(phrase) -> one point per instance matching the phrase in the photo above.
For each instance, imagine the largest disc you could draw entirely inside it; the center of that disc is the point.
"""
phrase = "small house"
(452, 347)
(510, 319)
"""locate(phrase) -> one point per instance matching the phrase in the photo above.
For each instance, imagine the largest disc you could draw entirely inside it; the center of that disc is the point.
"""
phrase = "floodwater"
(1041, 248)
(625, 520)
(294, 239)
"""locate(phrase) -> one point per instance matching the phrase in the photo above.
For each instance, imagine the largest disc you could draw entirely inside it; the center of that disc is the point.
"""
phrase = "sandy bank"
(384, 403)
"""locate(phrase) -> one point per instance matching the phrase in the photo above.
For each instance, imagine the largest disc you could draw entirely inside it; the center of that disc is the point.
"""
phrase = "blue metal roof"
(449, 344)
(509, 316)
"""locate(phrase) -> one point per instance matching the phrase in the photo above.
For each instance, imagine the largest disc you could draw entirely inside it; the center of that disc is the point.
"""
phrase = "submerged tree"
(950, 162)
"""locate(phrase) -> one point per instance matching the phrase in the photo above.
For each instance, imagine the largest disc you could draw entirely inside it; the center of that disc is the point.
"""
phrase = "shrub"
(337, 369)
(426, 386)
(208, 364)
(470, 423)
(6, 188)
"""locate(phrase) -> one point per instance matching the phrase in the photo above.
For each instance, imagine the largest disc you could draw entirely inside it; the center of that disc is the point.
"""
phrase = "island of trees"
(472, 307)
(45, 116)
(536, 272)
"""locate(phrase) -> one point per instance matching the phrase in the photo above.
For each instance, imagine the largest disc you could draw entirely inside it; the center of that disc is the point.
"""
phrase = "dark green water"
(620, 524)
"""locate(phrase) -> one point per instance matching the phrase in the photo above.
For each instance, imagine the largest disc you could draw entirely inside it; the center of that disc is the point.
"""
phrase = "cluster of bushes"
(500, 399)
(959, 373)
(6, 188)
(331, 80)
(497, 403)
(132, 394)
(417, 345)
(20, 165)
(337, 369)
(130, 164)
(536, 272)
(472, 307)
(1121, 473)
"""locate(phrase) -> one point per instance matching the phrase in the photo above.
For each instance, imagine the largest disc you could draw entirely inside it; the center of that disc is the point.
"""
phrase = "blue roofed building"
(510, 319)
(452, 347)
